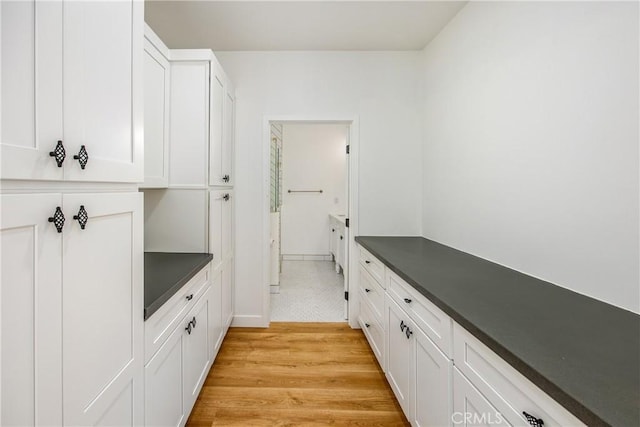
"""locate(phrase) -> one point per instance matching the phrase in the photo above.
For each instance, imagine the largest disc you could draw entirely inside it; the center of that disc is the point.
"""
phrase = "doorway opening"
(310, 212)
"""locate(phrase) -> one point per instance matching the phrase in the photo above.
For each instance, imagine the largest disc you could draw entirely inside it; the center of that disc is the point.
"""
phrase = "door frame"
(354, 142)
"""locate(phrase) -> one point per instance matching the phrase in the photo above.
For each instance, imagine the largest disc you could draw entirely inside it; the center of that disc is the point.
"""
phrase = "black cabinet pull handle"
(58, 153)
(189, 297)
(193, 322)
(225, 178)
(341, 237)
(82, 217)
(408, 332)
(367, 325)
(226, 197)
(535, 422)
(367, 290)
(188, 328)
(82, 157)
(407, 300)
(367, 262)
(402, 325)
(57, 219)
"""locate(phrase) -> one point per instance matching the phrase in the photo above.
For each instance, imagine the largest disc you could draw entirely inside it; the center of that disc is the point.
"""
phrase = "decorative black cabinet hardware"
(408, 300)
(333, 230)
(225, 178)
(402, 325)
(367, 262)
(82, 157)
(535, 422)
(189, 297)
(188, 328)
(193, 322)
(408, 332)
(367, 290)
(341, 237)
(82, 217)
(58, 153)
(57, 219)
(226, 197)
(367, 325)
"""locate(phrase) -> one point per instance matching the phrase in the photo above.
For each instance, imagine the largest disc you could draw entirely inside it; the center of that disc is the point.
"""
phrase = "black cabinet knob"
(188, 328)
(535, 422)
(367, 262)
(193, 322)
(58, 153)
(408, 300)
(367, 290)
(189, 297)
(402, 325)
(367, 325)
(226, 197)
(225, 178)
(341, 237)
(82, 157)
(82, 217)
(57, 219)
(408, 333)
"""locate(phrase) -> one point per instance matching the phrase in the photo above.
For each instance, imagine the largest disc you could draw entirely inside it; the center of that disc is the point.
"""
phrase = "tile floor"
(310, 291)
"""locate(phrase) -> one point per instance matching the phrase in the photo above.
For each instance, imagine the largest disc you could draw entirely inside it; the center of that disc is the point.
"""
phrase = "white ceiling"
(299, 25)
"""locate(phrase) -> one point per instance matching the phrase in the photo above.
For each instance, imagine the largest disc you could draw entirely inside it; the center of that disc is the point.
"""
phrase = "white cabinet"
(157, 85)
(227, 298)
(430, 383)
(30, 311)
(195, 351)
(221, 225)
(189, 128)
(163, 378)
(222, 137)
(71, 72)
(86, 364)
(510, 393)
(471, 408)
(399, 354)
(183, 337)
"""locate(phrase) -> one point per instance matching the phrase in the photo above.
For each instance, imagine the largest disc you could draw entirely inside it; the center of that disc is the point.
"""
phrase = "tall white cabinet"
(71, 285)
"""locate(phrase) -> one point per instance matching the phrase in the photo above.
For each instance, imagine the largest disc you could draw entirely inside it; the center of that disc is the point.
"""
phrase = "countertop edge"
(572, 405)
(155, 305)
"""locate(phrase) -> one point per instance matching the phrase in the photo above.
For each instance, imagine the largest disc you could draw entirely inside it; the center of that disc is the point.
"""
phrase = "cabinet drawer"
(159, 326)
(374, 266)
(373, 331)
(372, 292)
(505, 388)
(433, 321)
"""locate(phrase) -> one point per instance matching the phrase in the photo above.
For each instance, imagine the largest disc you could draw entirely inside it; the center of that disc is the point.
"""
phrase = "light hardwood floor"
(296, 374)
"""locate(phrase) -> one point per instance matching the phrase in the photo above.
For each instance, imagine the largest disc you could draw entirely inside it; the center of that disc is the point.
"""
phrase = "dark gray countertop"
(165, 273)
(582, 352)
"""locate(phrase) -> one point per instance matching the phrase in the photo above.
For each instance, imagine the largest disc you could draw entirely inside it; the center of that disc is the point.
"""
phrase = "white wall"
(381, 88)
(313, 158)
(531, 141)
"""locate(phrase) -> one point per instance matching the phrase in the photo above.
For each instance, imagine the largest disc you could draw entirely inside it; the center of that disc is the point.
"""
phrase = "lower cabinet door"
(471, 408)
(163, 384)
(30, 310)
(216, 330)
(102, 322)
(399, 354)
(227, 294)
(431, 388)
(195, 350)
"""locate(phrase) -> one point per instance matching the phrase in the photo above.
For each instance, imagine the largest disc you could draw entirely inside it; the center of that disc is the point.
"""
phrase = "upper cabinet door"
(31, 88)
(189, 127)
(216, 169)
(156, 117)
(229, 135)
(103, 103)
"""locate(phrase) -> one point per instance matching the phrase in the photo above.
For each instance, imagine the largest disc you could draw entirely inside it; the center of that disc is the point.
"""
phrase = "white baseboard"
(249, 321)
(307, 258)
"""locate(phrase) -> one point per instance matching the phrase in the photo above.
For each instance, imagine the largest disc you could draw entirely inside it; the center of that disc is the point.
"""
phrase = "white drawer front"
(507, 390)
(373, 265)
(159, 326)
(373, 331)
(372, 292)
(433, 321)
